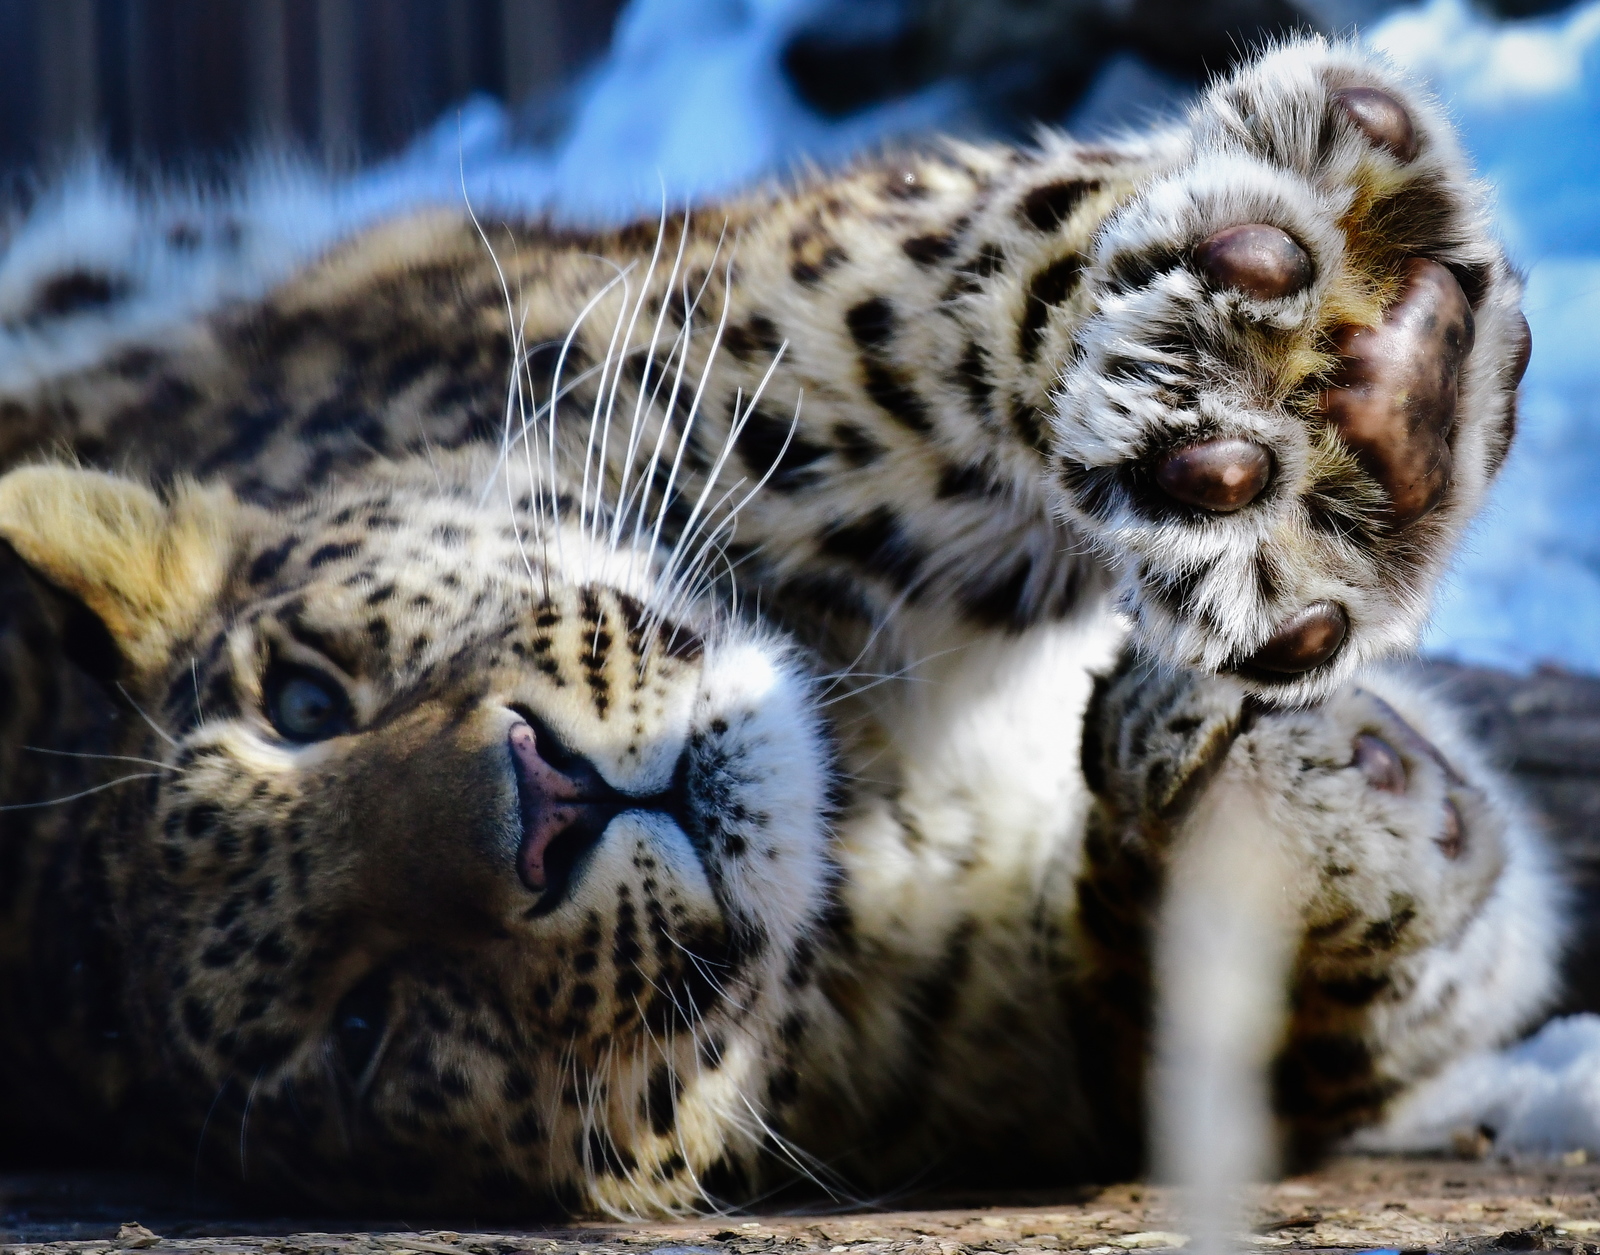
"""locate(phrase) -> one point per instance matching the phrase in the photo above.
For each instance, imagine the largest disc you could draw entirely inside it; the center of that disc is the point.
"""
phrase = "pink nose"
(551, 803)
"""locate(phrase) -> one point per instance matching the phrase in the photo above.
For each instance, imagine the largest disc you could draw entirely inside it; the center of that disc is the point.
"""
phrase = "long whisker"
(205, 1125)
(73, 797)
(697, 577)
(519, 358)
(874, 680)
(154, 726)
(807, 1165)
(505, 289)
(636, 428)
(105, 758)
(610, 374)
(694, 409)
(616, 379)
(665, 576)
(244, 1124)
(556, 391)
(194, 680)
(728, 520)
(680, 349)
(682, 345)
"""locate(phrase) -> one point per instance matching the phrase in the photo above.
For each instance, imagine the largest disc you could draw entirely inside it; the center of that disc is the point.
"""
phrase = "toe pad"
(1304, 642)
(1216, 475)
(1381, 118)
(1259, 260)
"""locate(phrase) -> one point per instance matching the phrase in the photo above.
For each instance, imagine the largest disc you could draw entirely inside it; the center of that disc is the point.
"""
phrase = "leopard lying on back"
(762, 759)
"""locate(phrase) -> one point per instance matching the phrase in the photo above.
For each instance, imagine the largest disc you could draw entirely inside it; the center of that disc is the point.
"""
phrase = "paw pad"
(1381, 118)
(1380, 763)
(1521, 349)
(1217, 475)
(1259, 260)
(1303, 642)
(1451, 839)
(1276, 409)
(1393, 398)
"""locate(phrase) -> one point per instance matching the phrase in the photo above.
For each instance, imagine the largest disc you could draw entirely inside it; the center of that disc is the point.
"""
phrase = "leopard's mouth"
(565, 806)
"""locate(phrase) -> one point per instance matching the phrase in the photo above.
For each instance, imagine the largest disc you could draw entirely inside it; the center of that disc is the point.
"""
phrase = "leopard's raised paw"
(1299, 376)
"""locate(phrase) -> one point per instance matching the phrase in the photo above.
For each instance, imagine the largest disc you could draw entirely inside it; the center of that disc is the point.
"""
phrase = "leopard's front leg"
(1296, 375)
(1262, 364)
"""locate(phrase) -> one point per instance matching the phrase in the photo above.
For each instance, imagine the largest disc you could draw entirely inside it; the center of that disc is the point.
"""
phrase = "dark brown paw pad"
(1393, 396)
(1219, 475)
(1381, 118)
(1303, 642)
(1256, 259)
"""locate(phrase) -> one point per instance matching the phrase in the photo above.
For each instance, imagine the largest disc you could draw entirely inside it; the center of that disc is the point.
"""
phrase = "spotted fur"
(798, 525)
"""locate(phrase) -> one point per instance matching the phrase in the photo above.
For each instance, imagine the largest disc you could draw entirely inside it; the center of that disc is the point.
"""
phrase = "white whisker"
(694, 407)
(613, 358)
(707, 546)
(107, 758)
(73, 797)
(639, 411)
(154, 726)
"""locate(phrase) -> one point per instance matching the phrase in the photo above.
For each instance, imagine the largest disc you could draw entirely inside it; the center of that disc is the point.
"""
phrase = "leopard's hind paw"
(1300, 374)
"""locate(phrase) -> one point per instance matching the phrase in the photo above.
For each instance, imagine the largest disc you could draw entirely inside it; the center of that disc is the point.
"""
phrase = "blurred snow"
(1527, 95)
(690, 103)
(1128, 93)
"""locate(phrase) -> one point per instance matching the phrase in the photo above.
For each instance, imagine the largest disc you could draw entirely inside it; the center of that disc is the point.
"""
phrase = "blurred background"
(596, 110)
(198, 81)
(191, 83)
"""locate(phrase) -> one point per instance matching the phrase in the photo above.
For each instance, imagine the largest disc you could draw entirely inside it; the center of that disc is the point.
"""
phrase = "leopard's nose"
(562, 815)
(565, 806)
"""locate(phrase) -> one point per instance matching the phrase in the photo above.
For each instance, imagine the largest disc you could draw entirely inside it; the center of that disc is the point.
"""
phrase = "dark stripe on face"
(871, 324)
(929, 250)
(269, 562)
(894, 395)
(857, 448)
(1002, 604)
(758, 335)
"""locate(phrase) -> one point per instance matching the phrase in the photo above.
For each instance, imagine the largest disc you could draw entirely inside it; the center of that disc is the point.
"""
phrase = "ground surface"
(1353, 1204)
(1545, 729)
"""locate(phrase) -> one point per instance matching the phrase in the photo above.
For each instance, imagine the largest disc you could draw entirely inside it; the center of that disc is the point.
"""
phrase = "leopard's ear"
(146, 567)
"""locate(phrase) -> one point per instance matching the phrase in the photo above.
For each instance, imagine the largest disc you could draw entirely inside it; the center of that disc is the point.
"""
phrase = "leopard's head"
(481, 869)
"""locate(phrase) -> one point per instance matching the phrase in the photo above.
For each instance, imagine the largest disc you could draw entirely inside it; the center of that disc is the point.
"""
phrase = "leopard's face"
(474, 881)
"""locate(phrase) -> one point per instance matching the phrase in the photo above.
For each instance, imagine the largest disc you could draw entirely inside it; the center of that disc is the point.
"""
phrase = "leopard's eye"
(304, 706)
(359, 1024)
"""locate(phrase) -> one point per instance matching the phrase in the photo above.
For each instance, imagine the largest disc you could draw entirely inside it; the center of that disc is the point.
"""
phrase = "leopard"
(511, 718)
